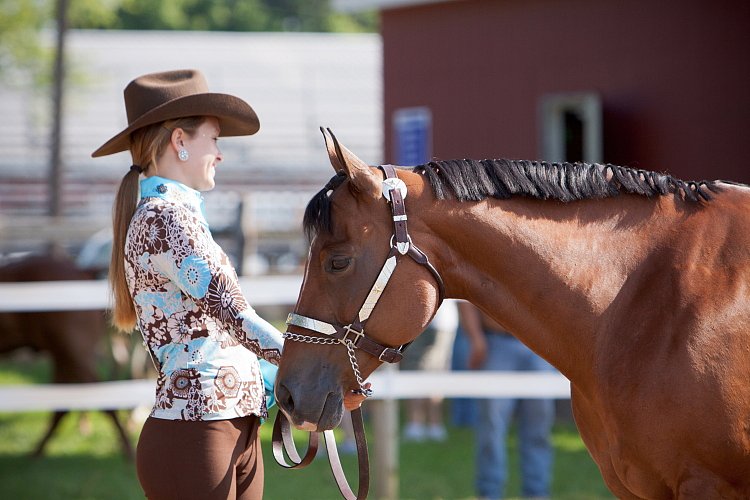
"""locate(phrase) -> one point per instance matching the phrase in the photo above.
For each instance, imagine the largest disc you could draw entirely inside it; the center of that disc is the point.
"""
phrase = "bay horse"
(634, 284)
(71, 338)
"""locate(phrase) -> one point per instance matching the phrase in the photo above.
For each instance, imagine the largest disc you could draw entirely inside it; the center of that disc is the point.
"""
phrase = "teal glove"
(268, 371)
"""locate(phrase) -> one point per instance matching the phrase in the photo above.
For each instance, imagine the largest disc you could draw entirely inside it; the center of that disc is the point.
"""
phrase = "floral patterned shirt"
(203, 336)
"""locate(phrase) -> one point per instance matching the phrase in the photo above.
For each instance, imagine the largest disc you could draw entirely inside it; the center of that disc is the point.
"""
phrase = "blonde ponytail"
(123, 311)
(146, 145)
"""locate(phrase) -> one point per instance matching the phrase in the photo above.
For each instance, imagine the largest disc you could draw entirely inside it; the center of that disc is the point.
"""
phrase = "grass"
(83, 461)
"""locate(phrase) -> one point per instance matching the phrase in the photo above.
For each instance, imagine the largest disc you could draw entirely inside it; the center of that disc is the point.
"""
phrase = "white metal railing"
(87, 295)
(387, 384)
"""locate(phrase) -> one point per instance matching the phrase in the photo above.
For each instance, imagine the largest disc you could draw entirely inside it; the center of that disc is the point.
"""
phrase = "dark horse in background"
(72, 339)
(634, 284)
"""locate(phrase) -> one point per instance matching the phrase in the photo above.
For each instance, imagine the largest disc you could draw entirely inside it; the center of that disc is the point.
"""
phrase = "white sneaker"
(437, 433)
(415, 432)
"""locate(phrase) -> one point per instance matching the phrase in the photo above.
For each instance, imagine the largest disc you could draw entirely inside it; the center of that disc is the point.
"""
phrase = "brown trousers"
(211, 460)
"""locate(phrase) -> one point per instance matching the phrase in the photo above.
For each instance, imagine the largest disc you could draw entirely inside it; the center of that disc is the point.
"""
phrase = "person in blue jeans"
(494, 349)
(463, 410)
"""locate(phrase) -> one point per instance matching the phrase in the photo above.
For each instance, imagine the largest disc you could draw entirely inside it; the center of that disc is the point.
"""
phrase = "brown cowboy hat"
(158, 97)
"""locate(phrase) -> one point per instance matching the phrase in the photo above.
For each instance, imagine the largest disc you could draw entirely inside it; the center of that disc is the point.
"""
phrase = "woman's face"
(200, 168)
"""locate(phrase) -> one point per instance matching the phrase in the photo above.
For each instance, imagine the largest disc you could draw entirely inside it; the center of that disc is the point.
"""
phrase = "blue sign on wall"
(413, 136)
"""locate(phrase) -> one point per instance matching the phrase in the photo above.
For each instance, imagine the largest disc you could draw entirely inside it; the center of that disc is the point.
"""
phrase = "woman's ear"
(176, 139)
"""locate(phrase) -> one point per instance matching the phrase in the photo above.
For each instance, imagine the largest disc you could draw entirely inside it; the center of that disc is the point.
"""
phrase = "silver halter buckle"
(357, 333)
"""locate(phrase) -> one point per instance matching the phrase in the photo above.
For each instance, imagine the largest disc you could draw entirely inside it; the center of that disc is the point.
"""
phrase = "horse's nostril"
(284, 398)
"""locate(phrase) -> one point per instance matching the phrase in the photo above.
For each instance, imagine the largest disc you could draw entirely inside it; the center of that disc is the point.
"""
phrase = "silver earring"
(183, 155)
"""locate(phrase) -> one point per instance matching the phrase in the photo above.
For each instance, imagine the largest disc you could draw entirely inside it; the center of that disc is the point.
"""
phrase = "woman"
(171, 280)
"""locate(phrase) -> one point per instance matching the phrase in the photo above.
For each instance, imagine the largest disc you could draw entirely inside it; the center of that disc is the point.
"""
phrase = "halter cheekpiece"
(353, 335)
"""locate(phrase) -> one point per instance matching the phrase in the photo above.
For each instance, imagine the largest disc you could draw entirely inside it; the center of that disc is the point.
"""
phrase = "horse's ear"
(360, 174)
(332, 154)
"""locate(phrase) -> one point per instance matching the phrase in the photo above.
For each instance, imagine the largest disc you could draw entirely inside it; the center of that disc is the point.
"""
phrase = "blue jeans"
(463, 410)
(535, 419)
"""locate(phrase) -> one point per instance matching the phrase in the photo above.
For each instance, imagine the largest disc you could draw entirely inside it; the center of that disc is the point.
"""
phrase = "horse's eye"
(338, 264)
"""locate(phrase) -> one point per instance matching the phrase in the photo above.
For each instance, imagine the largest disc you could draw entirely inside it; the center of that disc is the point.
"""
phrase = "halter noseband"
(353, 335)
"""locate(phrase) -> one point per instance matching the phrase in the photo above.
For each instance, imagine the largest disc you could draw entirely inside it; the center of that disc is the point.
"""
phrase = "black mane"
(474, 180)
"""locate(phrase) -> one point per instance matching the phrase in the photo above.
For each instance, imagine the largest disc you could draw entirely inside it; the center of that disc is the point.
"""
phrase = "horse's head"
(359, 323)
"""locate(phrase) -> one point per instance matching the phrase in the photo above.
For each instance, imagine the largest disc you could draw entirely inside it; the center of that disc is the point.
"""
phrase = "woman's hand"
(353, 400)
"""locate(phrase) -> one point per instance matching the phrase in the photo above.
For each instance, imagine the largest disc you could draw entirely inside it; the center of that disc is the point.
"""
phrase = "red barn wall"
(673, 76)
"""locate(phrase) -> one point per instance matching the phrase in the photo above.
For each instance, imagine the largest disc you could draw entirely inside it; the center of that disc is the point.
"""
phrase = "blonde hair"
(146, 145)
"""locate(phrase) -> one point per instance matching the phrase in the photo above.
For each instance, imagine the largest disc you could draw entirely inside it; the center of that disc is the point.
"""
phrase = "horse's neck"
(544, 270)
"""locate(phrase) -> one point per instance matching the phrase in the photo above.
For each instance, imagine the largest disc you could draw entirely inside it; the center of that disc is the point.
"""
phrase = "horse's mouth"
(329, 417)
(307, 426)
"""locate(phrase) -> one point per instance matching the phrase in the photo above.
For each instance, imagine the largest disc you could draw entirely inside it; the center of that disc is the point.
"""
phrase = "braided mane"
(472, 180)
(475, 180)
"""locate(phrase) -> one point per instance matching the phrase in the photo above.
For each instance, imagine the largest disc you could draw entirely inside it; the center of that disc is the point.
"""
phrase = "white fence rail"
(94, 294)
(118, 395)
(387, 384)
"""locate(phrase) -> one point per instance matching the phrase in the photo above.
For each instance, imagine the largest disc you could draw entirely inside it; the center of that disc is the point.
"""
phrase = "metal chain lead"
(355, 367)
(307, 339)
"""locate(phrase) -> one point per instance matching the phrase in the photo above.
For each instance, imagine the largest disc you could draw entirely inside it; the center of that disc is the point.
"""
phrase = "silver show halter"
(353, 335)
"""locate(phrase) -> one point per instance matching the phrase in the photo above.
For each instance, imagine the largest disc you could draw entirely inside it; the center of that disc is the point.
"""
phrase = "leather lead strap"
(362, 459)
(283, 442)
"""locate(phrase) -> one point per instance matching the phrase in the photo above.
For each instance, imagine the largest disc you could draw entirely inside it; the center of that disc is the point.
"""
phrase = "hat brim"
(235, 116)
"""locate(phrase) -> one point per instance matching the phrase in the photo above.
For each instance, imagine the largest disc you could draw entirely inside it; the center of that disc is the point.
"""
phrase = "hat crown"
(148, 92)
(157, 97)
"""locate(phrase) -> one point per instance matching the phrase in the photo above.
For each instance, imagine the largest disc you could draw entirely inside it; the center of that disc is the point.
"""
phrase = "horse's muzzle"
(316, 416)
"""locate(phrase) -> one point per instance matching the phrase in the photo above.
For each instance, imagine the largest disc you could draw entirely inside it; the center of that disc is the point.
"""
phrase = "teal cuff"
(268, 371)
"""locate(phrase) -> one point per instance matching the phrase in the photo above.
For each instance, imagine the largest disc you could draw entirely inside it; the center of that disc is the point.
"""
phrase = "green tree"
(23, 60)
(92, 13)
(205, 15)
(215, 15)
(20, 50)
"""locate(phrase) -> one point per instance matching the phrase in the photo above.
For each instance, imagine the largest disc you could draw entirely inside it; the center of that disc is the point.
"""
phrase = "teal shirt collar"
(174, 192)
